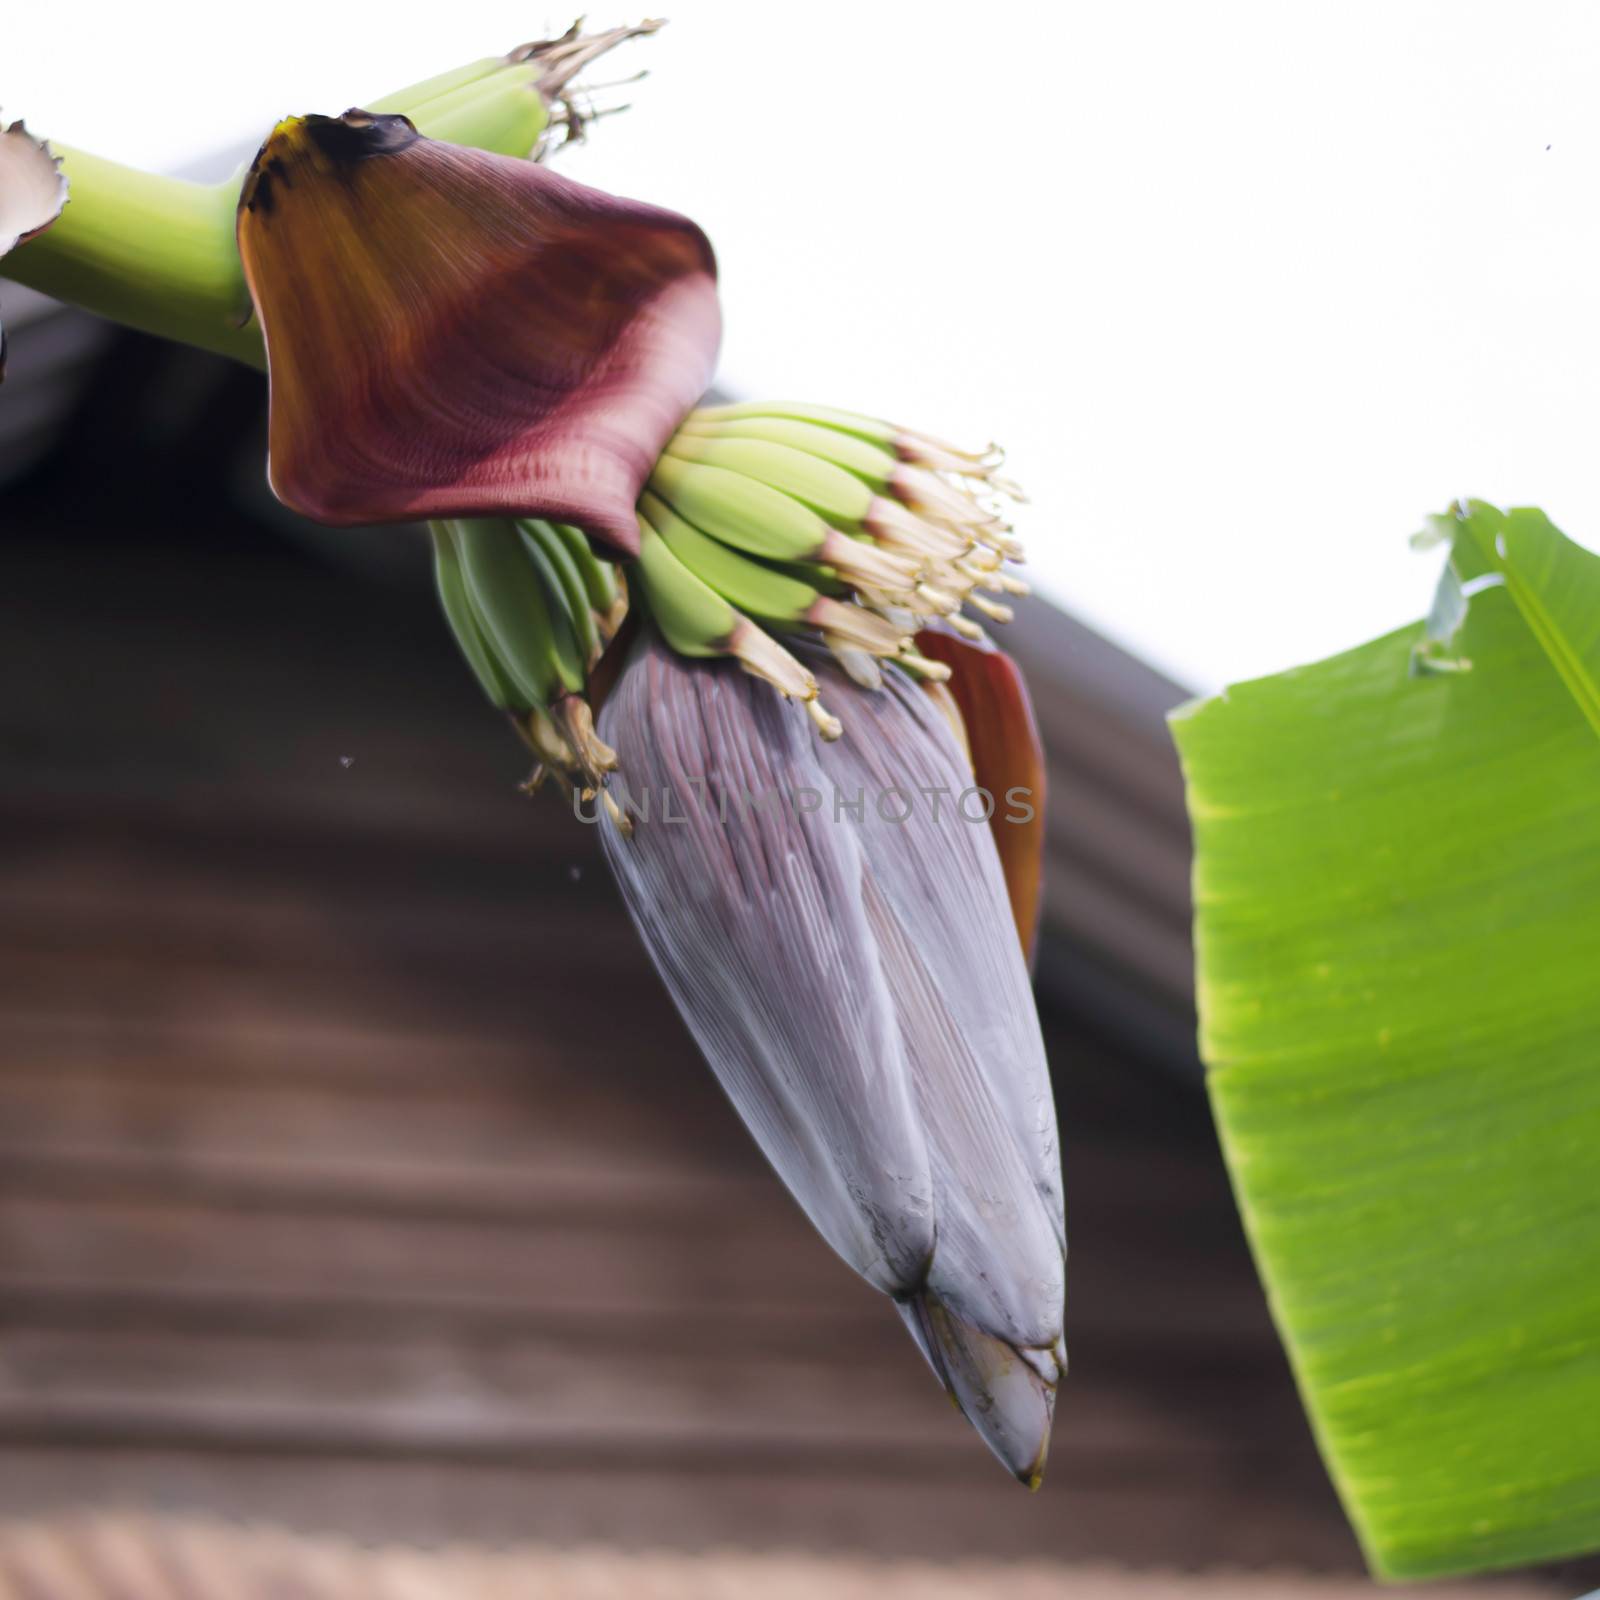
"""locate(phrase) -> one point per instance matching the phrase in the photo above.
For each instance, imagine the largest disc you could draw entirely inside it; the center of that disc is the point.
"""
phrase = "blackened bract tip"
(359, 135)
(340, 141)
(507, 340)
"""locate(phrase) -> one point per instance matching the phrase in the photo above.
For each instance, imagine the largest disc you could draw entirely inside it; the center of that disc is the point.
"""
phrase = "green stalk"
(505, 113)
(158, 253)
(152, 252)
(434, 88)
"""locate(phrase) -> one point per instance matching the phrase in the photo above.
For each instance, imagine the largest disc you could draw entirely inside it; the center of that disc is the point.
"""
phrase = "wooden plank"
(352, 1054)
(550, 1183)
(1084, 1511)
(165, 1558)
(613, 1269)
(536, 1394)
(531, 1125)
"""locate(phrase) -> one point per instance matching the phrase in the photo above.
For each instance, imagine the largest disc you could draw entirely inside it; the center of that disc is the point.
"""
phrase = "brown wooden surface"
(356, 1174)
(160, 1558)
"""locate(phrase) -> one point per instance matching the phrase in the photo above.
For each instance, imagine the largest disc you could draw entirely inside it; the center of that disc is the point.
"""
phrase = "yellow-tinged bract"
(452, 333)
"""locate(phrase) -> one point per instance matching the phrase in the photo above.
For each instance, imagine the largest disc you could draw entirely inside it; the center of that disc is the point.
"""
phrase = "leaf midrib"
(1568, 664)
(1584, 689)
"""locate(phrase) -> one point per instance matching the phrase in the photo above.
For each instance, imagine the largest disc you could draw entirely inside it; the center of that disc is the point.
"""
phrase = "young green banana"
(510, 598)
(906, 443)
(834, 494)
(518, 605)
(697, 621)
(574, 593)
(599, 577)
(763, 521)
(870, 429)
(918, 488)
(495, 682)
(565, 649)
(744, 581)
(871, 463)
(853, 633)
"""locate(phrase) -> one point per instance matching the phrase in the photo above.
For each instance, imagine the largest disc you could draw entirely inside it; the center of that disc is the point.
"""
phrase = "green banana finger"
(696, 621)
(852, 632)
(566, 650)
(747, 583)
(510, 598)
(599, 576)
(692, 616)
(575, 595)
(906, 443)
(839, 496)
(464, 624)
(871, 463)
(868, 428)
(751, 516)
(763, 521)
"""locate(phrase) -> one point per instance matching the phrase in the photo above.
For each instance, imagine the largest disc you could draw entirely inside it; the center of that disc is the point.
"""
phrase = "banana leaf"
(1397, 890)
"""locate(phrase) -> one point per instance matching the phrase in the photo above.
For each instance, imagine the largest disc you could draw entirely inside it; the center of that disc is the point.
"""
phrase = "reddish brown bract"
(1006, 755)
(454, 333)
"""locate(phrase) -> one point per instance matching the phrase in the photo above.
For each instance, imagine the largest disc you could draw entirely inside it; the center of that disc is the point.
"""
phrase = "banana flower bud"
(833, 923)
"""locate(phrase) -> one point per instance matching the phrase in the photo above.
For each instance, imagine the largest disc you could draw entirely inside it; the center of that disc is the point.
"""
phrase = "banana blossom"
(833, 922)
(845, 923)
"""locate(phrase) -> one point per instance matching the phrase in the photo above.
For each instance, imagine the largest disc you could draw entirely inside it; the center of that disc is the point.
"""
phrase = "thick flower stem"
(158, 253)
(152, 252)
(407, 101)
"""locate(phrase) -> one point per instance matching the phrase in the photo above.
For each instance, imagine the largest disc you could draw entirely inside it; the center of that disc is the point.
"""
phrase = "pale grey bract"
(858, 988)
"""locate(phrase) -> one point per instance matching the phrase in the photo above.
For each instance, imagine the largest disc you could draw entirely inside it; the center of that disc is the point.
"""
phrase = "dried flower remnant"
(33, 192)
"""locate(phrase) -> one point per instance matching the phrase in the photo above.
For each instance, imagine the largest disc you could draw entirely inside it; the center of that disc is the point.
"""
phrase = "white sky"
(1246, 289)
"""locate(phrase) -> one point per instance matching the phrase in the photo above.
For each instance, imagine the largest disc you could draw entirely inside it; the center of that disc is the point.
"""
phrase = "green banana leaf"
(1397, 891)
